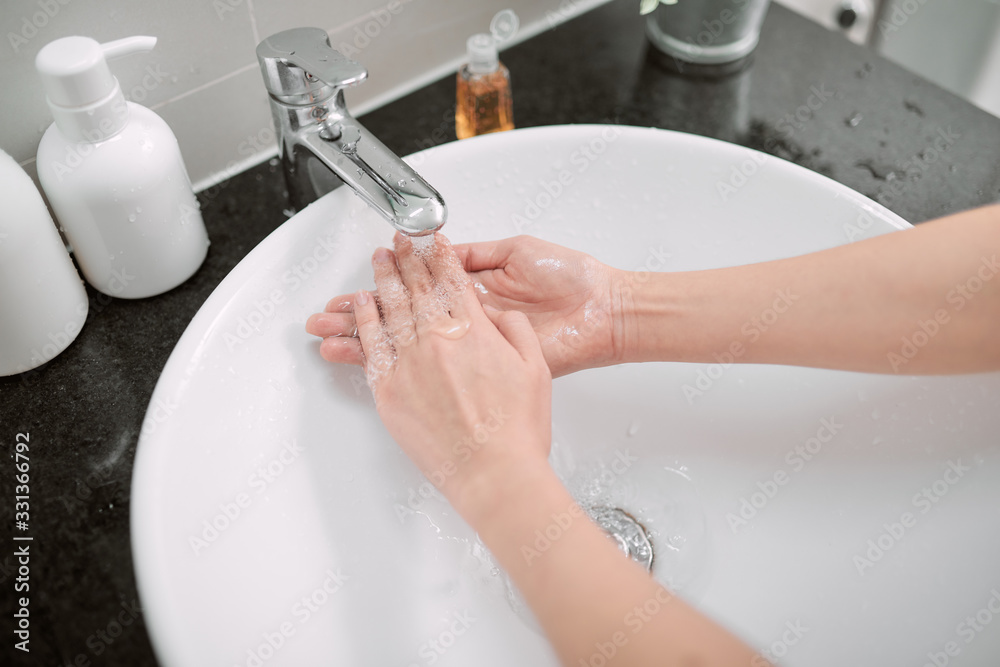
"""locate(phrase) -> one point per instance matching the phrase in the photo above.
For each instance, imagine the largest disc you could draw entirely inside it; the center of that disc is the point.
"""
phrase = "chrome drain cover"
(627, 532)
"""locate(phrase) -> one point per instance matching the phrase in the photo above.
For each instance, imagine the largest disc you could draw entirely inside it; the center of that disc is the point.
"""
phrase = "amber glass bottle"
(483, 102)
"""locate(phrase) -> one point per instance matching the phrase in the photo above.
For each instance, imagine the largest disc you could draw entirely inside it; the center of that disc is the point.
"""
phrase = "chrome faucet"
(321, 144)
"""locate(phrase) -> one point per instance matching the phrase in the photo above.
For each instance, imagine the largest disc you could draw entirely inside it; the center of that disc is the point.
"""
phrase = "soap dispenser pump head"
(482, 51)
(84, 96)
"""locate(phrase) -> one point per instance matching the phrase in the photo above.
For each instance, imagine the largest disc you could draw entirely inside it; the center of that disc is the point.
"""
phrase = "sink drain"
(627, 532)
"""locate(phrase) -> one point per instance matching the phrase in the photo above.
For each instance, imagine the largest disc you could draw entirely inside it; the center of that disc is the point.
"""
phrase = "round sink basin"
(826, 517)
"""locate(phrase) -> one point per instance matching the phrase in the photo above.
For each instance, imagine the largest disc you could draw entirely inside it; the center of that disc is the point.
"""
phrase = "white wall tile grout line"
(209, 84)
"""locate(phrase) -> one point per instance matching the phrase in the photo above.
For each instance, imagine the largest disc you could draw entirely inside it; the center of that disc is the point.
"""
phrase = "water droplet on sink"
(633, 428)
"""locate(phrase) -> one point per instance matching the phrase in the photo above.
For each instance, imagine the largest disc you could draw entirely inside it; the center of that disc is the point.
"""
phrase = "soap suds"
(423, 246)
(450, 281)
(550, 263)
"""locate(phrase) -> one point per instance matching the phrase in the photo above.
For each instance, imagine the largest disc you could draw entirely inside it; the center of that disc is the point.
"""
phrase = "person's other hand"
(569, 297)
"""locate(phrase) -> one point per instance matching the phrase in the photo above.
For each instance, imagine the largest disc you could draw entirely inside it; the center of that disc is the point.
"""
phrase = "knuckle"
(404, 251)
(405, 336)
(422, 286)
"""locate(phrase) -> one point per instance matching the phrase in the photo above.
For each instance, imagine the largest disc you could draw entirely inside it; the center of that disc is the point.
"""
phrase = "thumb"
(485, 255)
(515, 327)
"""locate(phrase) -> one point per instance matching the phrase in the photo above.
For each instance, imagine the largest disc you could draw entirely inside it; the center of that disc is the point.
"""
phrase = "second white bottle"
(113, 173)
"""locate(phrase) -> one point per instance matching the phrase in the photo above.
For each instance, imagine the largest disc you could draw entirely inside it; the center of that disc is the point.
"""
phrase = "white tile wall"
(826, 13)
(954, 43)
(205, 81)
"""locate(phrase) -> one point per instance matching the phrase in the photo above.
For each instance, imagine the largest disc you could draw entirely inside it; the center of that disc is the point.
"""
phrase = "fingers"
(411, 287)
(451, 280)
(444, 265)
(379, 356)
(424, 301)
(340, 304)
(342, 351)
(331, 324)
(486, 255)
(393, 299)
(515, 327)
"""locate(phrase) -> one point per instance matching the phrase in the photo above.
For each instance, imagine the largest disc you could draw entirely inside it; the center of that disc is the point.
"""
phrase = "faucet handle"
(300, 66)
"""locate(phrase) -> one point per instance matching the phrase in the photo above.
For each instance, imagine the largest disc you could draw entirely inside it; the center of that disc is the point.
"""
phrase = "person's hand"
(464, 391)
(569, 297)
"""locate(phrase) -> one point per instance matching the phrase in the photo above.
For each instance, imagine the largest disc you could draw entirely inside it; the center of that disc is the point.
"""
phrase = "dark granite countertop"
(808, 96)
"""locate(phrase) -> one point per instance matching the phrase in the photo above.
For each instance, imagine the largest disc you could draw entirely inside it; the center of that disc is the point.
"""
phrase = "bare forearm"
(592, 602)
(920, 301)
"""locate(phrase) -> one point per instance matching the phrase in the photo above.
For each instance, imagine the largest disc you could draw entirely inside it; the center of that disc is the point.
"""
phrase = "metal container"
(707, 32)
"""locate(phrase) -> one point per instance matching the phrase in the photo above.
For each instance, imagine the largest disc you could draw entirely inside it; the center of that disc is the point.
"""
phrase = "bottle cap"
(504, 25)
(482, 50)
(84, 97)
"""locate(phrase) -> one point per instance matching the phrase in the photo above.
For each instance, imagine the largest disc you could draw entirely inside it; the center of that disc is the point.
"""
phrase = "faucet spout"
(321, 145)
(378, 176)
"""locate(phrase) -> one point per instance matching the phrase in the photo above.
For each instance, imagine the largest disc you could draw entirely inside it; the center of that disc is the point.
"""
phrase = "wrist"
(621, 298)
(648, 316)
(657, 318)
(509, 513)
(487, 492)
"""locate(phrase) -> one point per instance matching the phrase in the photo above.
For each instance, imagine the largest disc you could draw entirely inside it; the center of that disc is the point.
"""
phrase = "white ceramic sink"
(324, 552)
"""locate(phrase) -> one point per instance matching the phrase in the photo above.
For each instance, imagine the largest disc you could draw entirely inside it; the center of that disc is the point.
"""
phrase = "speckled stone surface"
(808, 96)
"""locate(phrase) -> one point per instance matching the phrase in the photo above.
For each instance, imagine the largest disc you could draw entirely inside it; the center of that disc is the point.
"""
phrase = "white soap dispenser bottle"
(43, 303)
(113, 173)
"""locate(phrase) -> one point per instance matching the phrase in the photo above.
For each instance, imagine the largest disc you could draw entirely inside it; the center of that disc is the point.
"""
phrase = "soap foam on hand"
(423, 246)
(450, 280)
